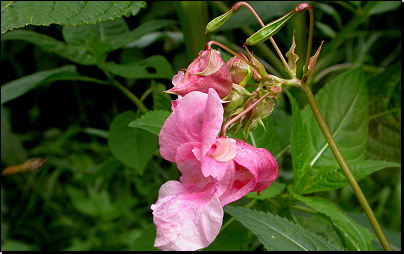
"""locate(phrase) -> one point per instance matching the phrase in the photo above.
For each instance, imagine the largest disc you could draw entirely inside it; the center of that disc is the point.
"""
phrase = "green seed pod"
(269, 30)
(218, 21)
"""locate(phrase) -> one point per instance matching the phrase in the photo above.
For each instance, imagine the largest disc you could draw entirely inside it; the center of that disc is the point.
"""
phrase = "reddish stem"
(233, 120)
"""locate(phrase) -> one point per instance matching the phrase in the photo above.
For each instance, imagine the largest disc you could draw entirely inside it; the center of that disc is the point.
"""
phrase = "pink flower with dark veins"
(207, 71)
(215, 172)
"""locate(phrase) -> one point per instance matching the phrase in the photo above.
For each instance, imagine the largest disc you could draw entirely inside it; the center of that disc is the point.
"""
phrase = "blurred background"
(86, 199)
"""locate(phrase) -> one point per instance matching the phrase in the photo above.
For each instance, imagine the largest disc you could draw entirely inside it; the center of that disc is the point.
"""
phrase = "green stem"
(193, 16)
(125, 91)
(310, 42)
(237, 6)
(233, 120)
(344, 167)
(130, 96)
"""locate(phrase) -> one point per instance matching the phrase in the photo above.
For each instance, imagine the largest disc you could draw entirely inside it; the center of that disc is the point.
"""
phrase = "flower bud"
(207, 71)
(236, 99)
(240, 71)
(261, 72)
(269, 30)
(218, 21)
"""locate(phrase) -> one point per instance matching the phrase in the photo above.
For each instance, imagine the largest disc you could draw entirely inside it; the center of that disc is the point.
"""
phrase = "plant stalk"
(344, 167)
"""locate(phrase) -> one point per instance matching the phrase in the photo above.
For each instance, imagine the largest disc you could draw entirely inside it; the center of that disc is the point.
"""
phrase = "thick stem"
(344, 167)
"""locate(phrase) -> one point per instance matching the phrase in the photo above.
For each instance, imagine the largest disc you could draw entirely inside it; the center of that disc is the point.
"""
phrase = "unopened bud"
(269, 30)
(240, 71)
(261, 72)
(236, 99)
(218, 21)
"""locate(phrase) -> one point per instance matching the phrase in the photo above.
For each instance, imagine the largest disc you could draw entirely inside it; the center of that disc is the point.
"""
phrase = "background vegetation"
(73, 108)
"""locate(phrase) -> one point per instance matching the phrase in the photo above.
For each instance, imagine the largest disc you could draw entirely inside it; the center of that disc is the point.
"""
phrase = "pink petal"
(224, 150)
(259, 162)
(183, 125)
(210, 63)
(184, 220)
(177, 78)
(207, 71)
(212, 121)
(190, 167)
(196, 118)
(256, 169)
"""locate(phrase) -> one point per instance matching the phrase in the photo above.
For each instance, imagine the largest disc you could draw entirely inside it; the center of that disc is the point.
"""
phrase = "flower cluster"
(215, 171)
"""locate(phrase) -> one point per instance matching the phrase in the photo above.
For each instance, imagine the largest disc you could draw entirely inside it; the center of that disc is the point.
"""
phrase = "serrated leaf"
(134, 147)
(385, 115)
(354, 236)
(77, 13)
(232, 238)
(106, 31)
(115, 33)
(278, 233)
(49, 44)
(344, 104)
(18, 87)
(152, 121)
(273, 190)
(331, 177)
(151, 67)
(300, 143)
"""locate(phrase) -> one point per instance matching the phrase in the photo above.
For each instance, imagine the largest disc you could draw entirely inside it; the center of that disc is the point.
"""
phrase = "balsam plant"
(219, 132)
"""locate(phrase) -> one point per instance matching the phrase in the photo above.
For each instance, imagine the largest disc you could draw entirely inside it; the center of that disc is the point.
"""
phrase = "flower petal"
(255, 170)
(207, 71)
(184, 220)
(190, 167)
(213, 119)
(196, 118)
(259, 162)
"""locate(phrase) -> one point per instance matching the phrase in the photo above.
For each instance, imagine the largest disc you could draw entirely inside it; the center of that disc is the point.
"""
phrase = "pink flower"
(207, 71)
(215, 172)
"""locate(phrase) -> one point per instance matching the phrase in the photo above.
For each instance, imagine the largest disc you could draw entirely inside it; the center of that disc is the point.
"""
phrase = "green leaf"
(106, 31)
(354, 236)
(278, 233)
(152, 67)
(134, 147)
(385, 115)
(331, 177)
(300, 143)
(161, 101)
(268, 140)
(76, 13)
(115, 33)
(146, 241)
(151, 121)
(117, 42)
(273, 190)
(232, 238)
(344, 104)
(18, 87)
(384, 6)
(49, 44)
